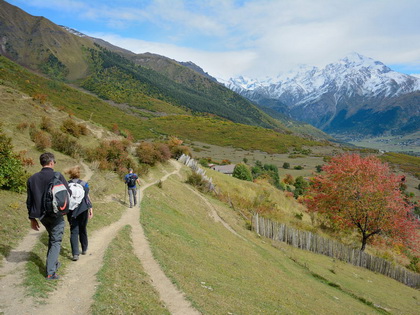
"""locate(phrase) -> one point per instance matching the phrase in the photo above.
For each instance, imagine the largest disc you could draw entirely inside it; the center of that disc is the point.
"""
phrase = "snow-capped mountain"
(341, 97)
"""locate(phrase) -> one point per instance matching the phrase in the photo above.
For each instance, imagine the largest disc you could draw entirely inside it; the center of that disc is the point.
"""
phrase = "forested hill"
(119, 79)
(148, 83)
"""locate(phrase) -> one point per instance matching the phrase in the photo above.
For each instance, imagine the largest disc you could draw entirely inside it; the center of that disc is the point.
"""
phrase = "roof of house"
(226, 169)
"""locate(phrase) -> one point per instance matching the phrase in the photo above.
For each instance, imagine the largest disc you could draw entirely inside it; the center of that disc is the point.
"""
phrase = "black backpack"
(56, 198)
(131, 180)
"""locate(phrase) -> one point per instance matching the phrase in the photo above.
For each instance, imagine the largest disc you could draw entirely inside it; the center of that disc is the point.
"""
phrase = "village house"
(225, 169)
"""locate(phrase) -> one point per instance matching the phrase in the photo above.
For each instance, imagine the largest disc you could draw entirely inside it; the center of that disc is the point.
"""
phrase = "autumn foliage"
(363, 194)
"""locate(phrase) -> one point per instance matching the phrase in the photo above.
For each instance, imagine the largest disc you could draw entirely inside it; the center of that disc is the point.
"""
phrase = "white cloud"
(257, 37)
(218, 64)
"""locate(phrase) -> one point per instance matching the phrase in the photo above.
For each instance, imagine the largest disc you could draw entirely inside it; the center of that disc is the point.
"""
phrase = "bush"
(151, 153)
(286, 165)
(46, 124)
(112, 155)
(71, 127)
(198, 182)
(42, 140)
(243, 172)
(22, 126)
(65, 144)
(12, 174)
(179, 150)
(301, 186)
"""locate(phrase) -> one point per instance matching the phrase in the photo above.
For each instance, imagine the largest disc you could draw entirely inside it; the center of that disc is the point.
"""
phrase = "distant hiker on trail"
(80, 212)
(37, 187)
(131, 179)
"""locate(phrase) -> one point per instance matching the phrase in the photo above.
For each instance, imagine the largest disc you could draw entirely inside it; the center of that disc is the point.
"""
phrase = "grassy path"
(77, 286)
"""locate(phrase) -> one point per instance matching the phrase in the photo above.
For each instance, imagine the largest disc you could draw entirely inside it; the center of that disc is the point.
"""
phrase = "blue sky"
(254, 38)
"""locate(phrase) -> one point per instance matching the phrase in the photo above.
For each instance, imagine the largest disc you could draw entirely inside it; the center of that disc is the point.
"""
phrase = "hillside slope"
(218, 271)
(147, 82)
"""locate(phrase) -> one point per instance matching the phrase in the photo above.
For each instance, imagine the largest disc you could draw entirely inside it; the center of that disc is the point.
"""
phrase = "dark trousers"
(132, 195)
(55, 229)
(78, 232)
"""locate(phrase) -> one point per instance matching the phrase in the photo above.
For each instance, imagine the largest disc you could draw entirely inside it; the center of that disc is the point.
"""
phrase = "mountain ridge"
(67, 55)
(330, 98)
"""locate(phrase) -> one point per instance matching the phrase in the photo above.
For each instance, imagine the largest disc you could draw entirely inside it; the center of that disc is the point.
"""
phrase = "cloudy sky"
(254, 38)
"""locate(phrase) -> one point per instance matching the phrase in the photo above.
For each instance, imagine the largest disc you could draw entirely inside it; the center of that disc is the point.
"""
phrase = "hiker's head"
(74, 172)
(130, 170)
(46, 158)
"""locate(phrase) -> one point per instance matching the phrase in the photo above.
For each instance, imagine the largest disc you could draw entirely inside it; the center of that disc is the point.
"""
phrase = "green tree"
(301, 186)
(242, 171)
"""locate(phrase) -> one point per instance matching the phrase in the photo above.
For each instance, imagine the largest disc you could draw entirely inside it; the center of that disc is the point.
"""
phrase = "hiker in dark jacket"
(78, 218)
(131, 179)
(36, 186)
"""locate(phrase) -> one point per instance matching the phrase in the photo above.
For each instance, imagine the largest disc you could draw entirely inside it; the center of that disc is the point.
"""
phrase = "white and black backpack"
(77, 193)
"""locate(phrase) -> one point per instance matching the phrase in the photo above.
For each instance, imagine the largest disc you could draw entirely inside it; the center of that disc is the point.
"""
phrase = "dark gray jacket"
(36, 186)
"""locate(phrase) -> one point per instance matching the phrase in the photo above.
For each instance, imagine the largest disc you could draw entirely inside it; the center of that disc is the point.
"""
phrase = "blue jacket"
(128, 176)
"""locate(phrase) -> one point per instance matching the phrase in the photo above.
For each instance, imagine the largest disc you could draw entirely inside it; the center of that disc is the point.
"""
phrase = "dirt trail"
(83, 272)
(214, 215)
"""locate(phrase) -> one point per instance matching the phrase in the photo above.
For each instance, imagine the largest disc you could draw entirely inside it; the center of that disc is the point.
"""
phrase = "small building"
(225, 169)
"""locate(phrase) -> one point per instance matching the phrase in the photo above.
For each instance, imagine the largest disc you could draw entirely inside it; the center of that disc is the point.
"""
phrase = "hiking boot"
(75, 258)
(83, 252)
(54, 276)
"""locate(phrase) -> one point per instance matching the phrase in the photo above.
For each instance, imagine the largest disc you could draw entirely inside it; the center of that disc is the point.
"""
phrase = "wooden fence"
(320, 245)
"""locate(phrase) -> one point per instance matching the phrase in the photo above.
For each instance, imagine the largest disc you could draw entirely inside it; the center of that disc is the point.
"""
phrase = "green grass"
(221, 273)
(124, 287)
(15, 224)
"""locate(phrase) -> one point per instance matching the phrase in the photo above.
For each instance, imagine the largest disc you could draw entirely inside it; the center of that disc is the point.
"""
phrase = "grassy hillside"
(91, 108)
(146, 82)
(42, 45)
(219, 271)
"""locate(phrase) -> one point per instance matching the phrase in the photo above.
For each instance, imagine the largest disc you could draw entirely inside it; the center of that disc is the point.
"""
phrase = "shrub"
(147, 153)
(42, 140)
(286, 165)
(12, 174)
(26, 161)
(179, 150)
(288, 179)
(22, 126)
(46, 124)
(83, 129)
(301, 186)
(65, 144)
(298, 167)
(242, 171)
(71, 127)
(198, 182)
(113, 156)
(150, 153)
(204, 162)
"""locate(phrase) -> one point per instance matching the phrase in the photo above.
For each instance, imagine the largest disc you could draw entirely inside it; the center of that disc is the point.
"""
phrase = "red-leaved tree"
(363, 193)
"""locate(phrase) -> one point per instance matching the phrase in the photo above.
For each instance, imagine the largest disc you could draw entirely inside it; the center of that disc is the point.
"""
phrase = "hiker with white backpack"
(80, 212)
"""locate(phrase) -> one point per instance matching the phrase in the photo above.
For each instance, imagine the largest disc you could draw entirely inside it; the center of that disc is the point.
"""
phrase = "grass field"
(223, 273)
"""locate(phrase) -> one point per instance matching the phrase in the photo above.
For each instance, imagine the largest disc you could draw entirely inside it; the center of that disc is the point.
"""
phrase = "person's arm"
(29, 204)
(90, 213)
